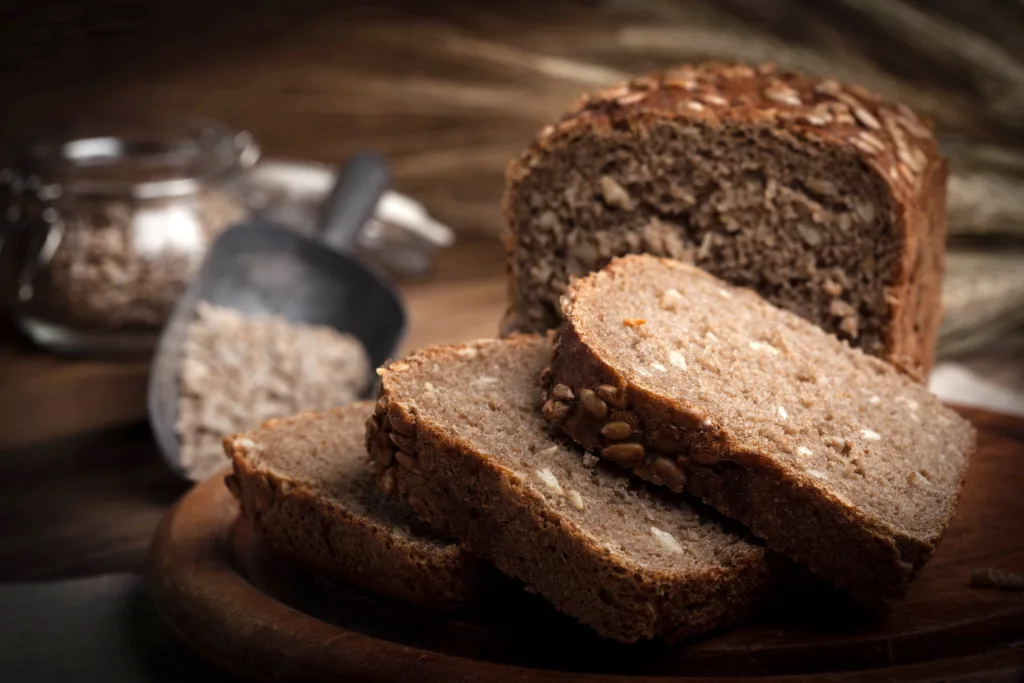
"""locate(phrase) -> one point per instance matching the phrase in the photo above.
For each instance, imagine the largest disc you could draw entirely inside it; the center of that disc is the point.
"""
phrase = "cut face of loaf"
(825, 200)
(831, 456)
(459, 435)
(305, 485)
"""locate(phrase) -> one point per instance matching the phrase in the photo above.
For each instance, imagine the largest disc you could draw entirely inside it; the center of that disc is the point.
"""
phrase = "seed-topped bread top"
(821, 196)
(714, 374)
(890, 135)
(306, 486)
(474, 456)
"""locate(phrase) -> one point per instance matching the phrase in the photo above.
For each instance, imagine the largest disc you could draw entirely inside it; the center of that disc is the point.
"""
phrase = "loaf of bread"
(831, 456)
(305, 485)
(821, 197)
(458, 434)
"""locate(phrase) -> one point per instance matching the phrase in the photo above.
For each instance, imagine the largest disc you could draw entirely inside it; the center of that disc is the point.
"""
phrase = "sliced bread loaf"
(826, 200)
(305, 485)
(831, 456)
(459, 436)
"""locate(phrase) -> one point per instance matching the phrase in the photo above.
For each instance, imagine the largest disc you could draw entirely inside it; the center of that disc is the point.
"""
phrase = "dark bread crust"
(465, 493)
(295, 519)
(917, 303)
(890, 140)
(815, 528)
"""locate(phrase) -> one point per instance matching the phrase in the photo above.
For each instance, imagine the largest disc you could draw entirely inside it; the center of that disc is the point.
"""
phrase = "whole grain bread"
(459, 436)
(831, 456)
(820, 196)
(307, 488)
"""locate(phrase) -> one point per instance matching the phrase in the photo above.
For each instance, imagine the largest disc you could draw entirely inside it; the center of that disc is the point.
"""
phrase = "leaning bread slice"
(459, 433)
(305, 485)
(829, 455)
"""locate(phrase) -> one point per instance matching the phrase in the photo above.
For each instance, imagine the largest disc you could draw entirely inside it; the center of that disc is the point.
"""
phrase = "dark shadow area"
(804, 629)
(158, 650)
(111, 485)
(102, 628)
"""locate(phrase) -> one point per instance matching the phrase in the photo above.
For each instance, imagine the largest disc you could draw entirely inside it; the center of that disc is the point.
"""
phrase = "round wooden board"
(262, 617)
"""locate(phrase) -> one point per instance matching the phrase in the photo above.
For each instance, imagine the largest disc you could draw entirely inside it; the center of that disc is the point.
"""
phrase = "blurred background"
(449, 92)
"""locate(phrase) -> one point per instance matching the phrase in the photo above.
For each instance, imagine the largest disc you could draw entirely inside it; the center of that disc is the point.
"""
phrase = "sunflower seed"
(624, 452)
(667, 540)
(617, 430)
(562, 393)
(550, 480)
(593, 404)
(669, 472)
(612, 395)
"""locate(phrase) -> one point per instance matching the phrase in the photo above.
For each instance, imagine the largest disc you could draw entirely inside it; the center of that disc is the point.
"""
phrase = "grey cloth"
(101, 628)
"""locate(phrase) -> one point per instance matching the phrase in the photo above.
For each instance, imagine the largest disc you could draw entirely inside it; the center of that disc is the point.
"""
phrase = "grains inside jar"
(122, 265)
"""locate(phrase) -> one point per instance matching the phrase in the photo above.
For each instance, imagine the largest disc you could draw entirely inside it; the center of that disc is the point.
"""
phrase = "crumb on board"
(997, 579)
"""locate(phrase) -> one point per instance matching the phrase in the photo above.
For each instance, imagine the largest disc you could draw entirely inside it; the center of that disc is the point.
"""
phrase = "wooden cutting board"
(260, 616)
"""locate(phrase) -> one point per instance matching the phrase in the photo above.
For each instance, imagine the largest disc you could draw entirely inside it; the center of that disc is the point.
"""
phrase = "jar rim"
(172, 156)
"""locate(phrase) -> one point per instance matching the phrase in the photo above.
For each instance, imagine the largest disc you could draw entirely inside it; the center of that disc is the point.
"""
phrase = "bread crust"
(892, 142)
(818, 530)
(467, 494)
(294, 518)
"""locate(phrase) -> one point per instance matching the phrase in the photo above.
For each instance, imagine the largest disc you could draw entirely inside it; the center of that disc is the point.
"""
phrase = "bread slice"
(831, 456)
(307, 488)
(459, 432)
(825, 199)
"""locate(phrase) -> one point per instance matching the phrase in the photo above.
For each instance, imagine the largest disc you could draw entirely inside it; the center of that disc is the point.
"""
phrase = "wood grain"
(216, 585)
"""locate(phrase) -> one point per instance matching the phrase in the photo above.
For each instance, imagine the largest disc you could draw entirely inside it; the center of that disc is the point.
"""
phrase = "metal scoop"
(261, 268)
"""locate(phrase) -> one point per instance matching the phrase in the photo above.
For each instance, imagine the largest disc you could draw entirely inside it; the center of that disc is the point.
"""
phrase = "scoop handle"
(360, 182)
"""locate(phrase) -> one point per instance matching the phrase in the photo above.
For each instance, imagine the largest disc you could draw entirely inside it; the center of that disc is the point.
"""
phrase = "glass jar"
(106, 226)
